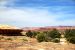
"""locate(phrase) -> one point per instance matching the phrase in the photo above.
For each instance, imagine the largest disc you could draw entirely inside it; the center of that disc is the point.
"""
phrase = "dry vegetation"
(26, 43)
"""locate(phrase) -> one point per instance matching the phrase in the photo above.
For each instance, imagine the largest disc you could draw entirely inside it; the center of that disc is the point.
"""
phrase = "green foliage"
(72, 40)
(46, 36)
(41, 37)
(9, 39)
(70, 35)
(24, 39)
(56, 40)
(34, 34)
(54, 34)
(31, 34)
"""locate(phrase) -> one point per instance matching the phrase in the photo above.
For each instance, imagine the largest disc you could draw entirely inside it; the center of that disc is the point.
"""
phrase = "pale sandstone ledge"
(8, 27)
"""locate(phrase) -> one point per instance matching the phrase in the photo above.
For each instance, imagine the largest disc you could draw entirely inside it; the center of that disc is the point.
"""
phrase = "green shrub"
(34, 34)
(70, 35)
(9, 39)
(29, 34)
(72, 40)
(24, 39)
(54, 34)
(56, 40)
(41, 37)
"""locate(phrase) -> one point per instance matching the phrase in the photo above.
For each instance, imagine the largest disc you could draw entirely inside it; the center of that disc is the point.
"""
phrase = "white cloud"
(30, 16)
(5, 2)
(38, 16)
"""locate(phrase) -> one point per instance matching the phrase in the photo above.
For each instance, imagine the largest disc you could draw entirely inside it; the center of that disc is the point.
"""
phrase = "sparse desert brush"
(70, 35)
(9, 39)
(41, 37)
(53, 36)
(31, 34)
(24, 39)
(1, 38)
(56, 40)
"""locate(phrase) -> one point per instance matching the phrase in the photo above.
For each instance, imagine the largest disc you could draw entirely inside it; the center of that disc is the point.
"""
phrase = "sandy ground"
(32, 44)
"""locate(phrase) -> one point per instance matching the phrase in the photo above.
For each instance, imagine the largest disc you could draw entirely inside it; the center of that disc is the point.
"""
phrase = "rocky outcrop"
(9, 30)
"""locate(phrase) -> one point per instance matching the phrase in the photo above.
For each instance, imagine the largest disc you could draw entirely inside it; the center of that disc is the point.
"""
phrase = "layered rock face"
(7, 27)
(9, 30)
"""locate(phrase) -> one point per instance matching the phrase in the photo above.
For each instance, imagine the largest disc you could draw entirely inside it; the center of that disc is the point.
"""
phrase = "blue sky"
(31, 13)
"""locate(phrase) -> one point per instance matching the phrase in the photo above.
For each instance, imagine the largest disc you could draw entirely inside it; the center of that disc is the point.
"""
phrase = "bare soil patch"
(18, 43)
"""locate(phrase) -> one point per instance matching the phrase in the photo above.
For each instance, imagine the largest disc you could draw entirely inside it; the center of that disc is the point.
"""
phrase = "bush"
(54, 34)
(34, 34)
(9, 39)
(24, 39)
(29, 34)
(56, 40)
(72, 40)
(41, 37)
(70, 35)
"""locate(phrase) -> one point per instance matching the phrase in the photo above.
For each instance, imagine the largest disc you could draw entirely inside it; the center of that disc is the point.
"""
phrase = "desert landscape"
(37, 24)
(23, 42)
